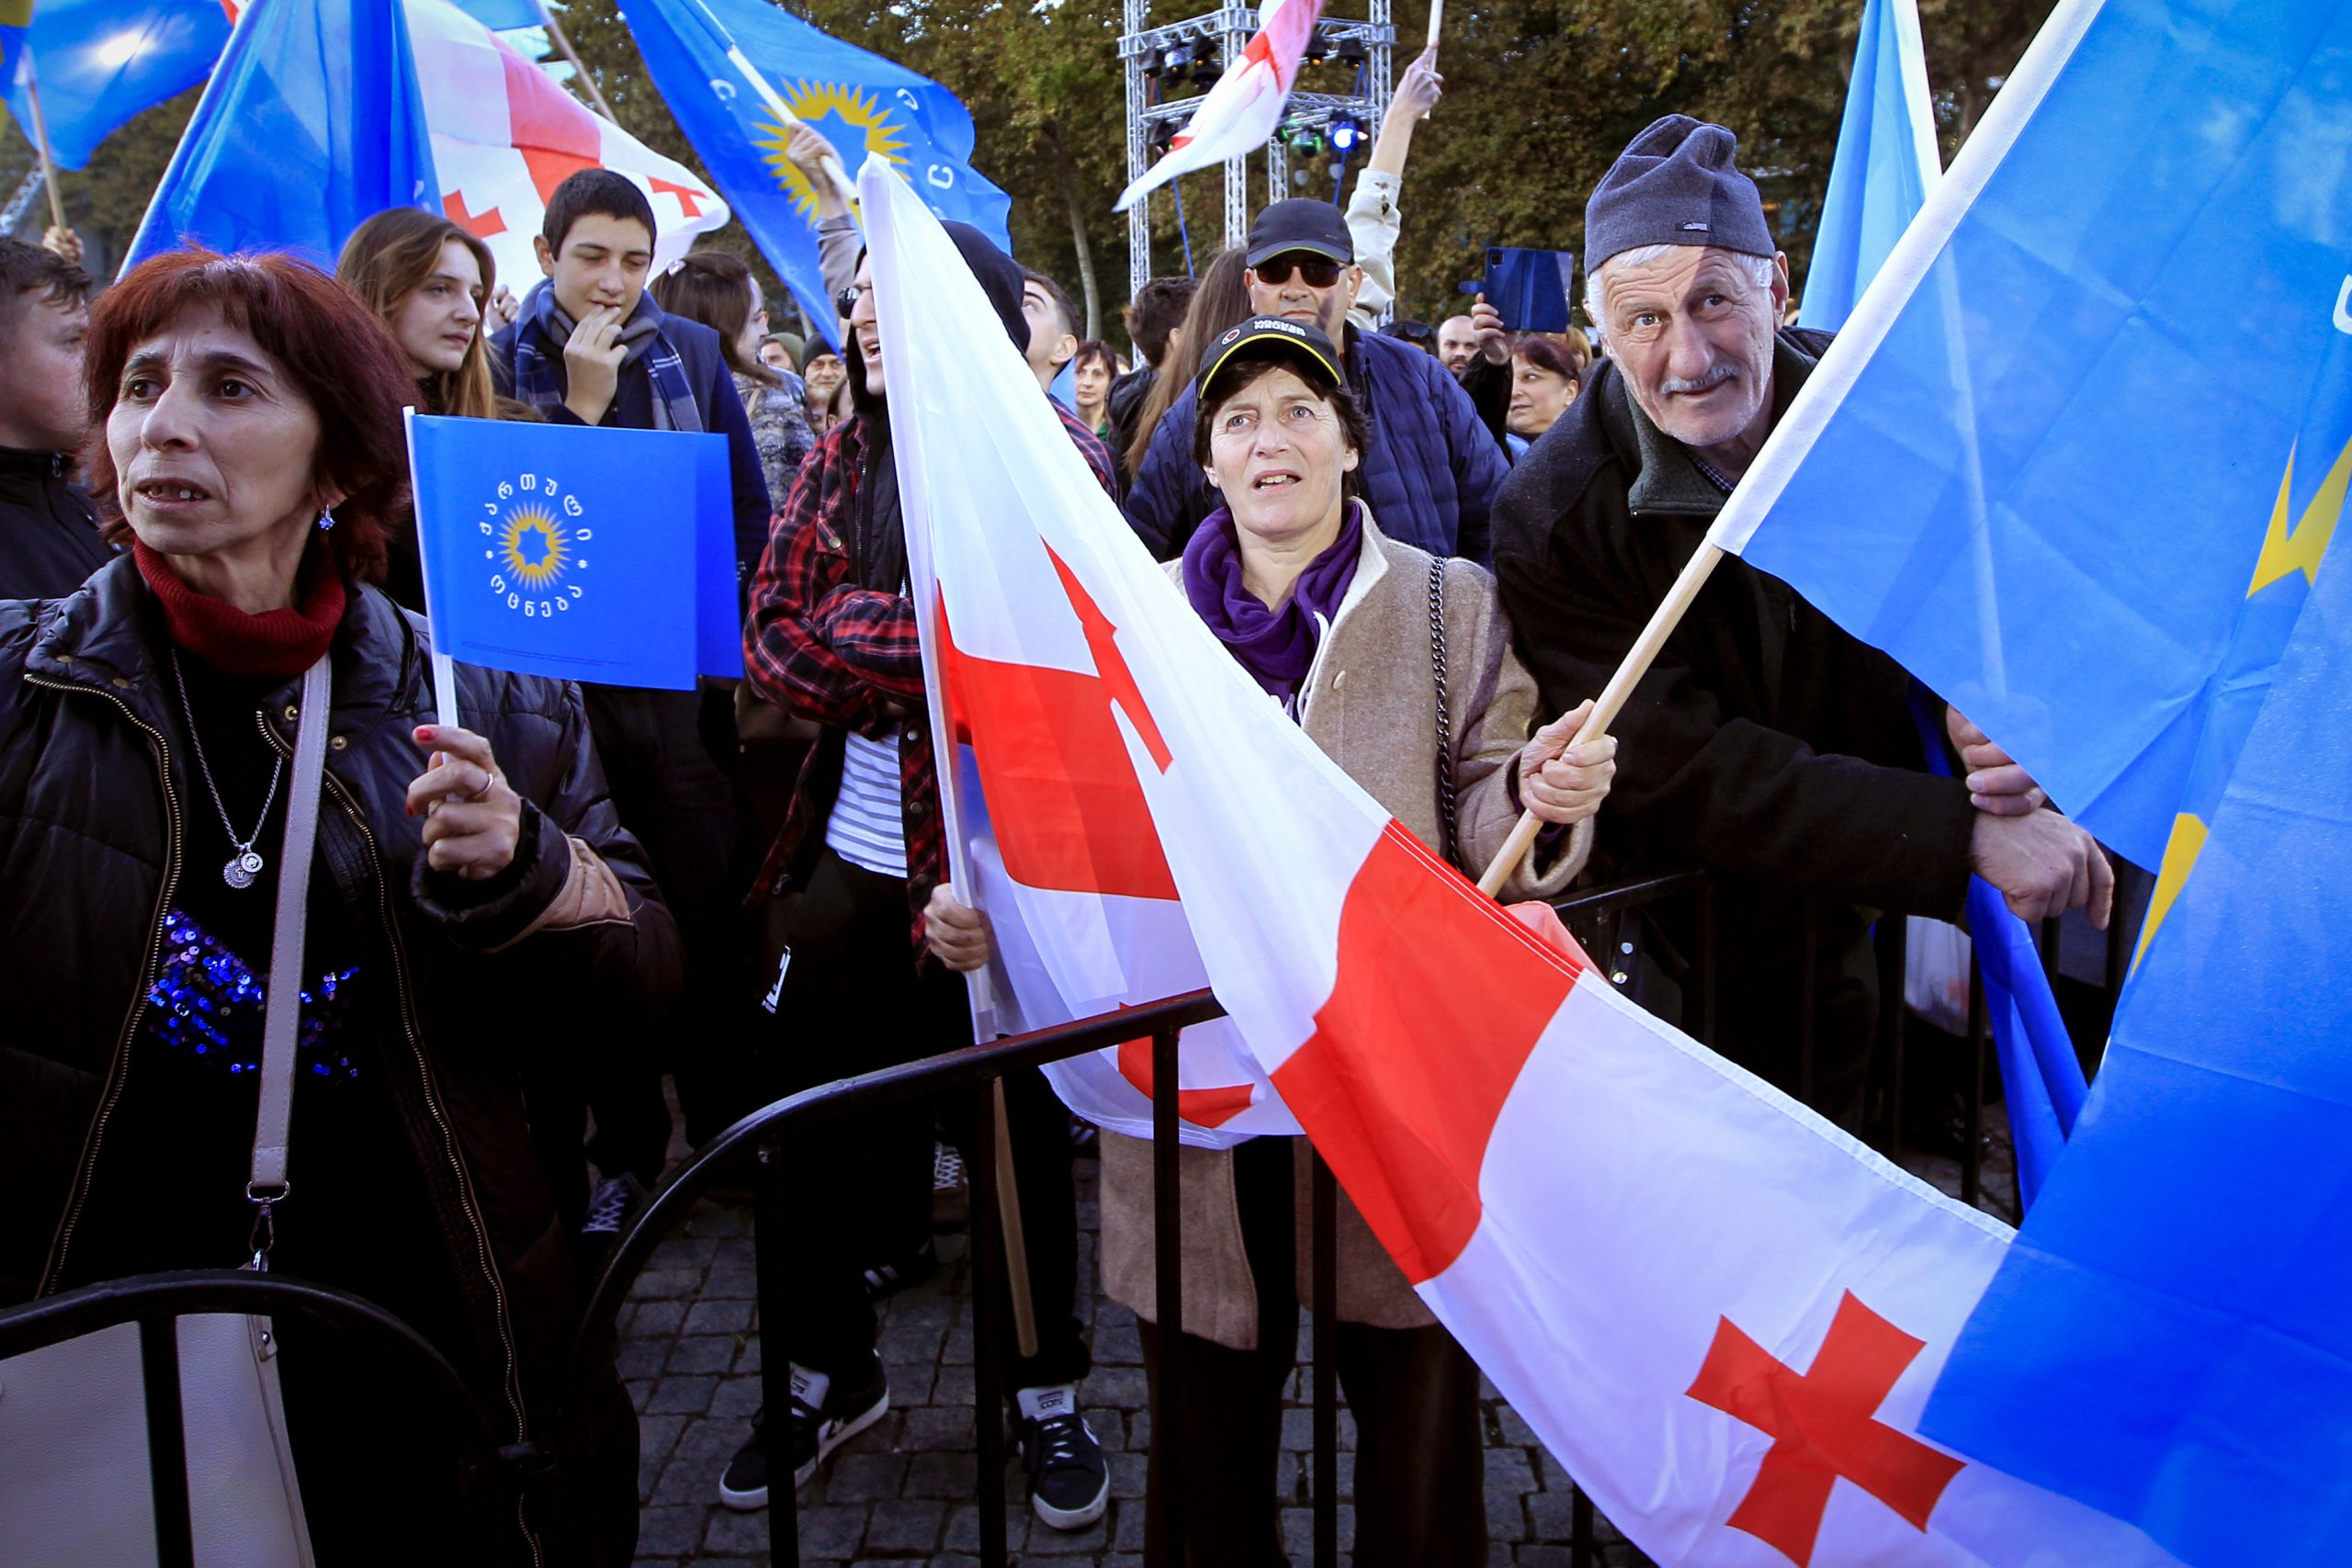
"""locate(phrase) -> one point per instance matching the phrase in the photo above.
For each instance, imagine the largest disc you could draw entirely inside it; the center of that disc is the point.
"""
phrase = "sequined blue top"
(207, 1004)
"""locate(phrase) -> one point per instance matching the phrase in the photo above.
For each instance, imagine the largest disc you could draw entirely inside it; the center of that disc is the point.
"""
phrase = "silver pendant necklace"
(246, 863)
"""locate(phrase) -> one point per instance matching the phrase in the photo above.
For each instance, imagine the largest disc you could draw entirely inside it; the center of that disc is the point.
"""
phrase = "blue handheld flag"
(311, 125)
(578, 553)
(862, 103)
(100, 63)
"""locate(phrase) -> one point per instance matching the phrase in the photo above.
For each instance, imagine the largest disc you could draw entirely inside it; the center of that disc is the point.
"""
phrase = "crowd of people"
(515, 929)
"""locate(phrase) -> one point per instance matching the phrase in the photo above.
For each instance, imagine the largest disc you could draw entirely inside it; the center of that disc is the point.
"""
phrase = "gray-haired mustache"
(1714, 377)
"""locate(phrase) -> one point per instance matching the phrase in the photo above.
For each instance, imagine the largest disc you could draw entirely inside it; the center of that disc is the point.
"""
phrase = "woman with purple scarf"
(1398, 665)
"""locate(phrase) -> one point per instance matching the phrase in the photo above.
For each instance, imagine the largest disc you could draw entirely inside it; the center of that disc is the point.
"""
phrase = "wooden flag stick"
(1637, 663)
(1437, 20)
(578, 67)
(1016, 1241)
(41, 143)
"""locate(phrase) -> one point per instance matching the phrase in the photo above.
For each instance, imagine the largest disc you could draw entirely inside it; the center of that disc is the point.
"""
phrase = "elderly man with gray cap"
(1764, 743)
(1430, 469)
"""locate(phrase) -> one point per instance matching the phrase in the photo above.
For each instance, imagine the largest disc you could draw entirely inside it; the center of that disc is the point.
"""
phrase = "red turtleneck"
(275, 642)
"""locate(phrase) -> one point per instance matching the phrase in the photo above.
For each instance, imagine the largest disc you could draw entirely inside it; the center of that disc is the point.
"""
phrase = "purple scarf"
(1277, 646)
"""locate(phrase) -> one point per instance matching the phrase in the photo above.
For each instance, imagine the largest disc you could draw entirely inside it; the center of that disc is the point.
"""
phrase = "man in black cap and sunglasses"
(1432, 469)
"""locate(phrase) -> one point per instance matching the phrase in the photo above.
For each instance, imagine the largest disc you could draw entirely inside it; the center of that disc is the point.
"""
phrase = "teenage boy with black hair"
(48, 531)
(591, 347)
(1053, 326)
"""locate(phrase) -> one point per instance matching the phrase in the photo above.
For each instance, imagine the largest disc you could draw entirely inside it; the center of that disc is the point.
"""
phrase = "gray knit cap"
(1674, 184)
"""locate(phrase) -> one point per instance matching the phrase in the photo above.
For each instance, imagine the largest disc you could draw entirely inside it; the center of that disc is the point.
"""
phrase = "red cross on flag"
(1722, 1314)
(505, 134)
(1241, 111)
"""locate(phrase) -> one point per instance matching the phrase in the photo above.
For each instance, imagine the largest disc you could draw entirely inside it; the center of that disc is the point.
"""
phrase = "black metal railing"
(153, 1302)
(156, 1302)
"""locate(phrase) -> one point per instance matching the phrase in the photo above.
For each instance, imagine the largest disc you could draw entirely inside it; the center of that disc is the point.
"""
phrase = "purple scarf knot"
(1277, 646)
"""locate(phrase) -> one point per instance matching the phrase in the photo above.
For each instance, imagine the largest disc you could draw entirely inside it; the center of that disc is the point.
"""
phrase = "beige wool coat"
(1370, 703)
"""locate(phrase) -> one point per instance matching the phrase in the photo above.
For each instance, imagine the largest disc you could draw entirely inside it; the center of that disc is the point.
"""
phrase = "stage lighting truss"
(1169, 67)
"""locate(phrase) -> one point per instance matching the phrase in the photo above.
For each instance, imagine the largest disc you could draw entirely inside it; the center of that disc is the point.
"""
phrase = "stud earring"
(326, 518)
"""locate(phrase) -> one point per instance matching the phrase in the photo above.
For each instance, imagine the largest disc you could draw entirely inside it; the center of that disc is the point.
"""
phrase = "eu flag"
(2076, 461)
(99, 63)
(578, 553)
(2170, 1338)
(311, 126)
(863, 104)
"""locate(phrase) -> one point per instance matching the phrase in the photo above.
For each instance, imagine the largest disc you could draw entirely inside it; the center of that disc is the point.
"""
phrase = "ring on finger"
(488, 779)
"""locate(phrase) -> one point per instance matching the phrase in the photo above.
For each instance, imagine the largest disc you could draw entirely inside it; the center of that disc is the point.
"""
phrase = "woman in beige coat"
(1335, 621)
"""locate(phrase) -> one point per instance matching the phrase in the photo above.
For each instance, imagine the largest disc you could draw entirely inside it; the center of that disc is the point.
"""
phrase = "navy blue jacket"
(1430, 475)
(715, 395)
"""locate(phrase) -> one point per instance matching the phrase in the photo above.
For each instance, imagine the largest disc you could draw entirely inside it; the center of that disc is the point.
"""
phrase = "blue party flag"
(1886, 163)
(311, 126)
(2075, 461)
(710, 58)
(99, 63)
(543, 553)
(16, 16)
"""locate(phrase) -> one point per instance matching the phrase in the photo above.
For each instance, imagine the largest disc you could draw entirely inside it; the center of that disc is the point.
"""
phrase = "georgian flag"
(1722, 1314)
(505, 134)
(1241, 111)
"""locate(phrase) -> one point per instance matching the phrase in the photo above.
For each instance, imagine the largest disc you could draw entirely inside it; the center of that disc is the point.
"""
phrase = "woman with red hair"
(246, 445)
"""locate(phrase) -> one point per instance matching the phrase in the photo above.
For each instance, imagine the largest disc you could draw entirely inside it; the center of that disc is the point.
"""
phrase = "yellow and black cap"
(1303, 347)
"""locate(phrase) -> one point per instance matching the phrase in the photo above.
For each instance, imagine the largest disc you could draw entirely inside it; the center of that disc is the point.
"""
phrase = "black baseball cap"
(1273, 337)
(1301, 223)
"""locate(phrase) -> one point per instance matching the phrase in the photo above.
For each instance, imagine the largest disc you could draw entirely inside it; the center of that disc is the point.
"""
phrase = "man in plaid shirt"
(832, 638)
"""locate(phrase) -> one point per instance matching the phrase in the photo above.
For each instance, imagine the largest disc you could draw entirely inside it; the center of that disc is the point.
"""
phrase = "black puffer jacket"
(97, 793)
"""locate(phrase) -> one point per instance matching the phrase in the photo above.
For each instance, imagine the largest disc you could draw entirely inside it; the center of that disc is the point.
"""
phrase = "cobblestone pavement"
(903, 1492)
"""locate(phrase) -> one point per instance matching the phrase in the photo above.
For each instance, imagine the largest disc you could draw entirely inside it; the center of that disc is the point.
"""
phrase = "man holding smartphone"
(1431, 472)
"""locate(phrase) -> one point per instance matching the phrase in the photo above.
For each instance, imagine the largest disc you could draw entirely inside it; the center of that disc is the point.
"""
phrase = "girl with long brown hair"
(717, 288)
(429, 282)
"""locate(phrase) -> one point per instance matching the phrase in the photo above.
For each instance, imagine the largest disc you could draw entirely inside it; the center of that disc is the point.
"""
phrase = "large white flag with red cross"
(1242, 110)
(505, 134)
(1720, 1312)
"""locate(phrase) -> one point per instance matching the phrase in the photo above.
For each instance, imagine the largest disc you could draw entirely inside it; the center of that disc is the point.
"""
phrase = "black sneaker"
(1069, 1482)
(951, 1193)
(815, 1429)
(896, 1274)
(611, 1203)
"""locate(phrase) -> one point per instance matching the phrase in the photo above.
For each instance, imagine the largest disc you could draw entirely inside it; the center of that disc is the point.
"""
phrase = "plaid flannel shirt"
(846, 656)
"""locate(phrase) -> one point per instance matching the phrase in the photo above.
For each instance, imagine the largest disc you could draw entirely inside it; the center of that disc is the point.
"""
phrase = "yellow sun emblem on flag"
(814, 102)
(535, 544)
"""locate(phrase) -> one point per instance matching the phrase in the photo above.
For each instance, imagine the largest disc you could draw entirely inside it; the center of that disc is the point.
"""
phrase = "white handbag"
(76, 1489)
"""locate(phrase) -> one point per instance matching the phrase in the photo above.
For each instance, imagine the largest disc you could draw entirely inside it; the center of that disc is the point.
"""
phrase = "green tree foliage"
(1540, 95)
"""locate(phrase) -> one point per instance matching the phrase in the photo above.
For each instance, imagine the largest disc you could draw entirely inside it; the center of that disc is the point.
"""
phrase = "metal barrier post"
(159, 1365)
(1895, 956)
(1808, 1004)
(988, 1280)
(1971, 1162)
(1168, 1287)
(1323, 1242)
(1707, 964)
(772, 1271)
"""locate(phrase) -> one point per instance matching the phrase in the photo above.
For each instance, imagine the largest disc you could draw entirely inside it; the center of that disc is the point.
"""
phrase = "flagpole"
(445, 669)
(40, 142)
(1638, 662)
(578, 67)
(1437, 20)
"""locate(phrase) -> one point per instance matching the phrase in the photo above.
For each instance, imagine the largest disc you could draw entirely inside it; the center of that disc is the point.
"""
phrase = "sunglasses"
(846, 300)
(1319, 273)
